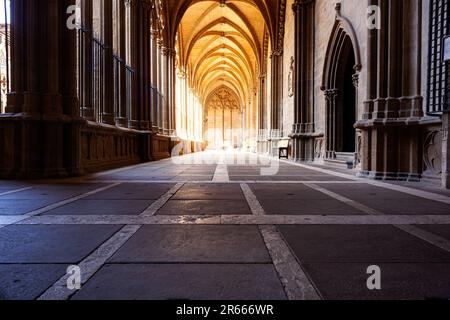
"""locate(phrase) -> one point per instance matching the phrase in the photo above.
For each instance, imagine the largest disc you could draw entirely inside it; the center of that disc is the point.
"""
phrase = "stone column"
(133, 56)
(159, 86)
(165, 89)
(277, 89)
(86, 35)
(37, 139)
(331, 97)
(71, 142)
(172, 91)
(303, 140)
(390, 127)
(262, 102)
(154, 76)
(108, 67)
(144, 63)
(121, 116)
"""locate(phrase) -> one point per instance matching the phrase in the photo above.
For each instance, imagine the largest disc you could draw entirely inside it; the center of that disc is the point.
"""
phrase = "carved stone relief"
(433, 152)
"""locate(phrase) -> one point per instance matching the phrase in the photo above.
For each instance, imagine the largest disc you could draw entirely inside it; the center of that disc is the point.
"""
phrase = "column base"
(144, 125)
(122, 122)
(134, 124)
(389, 176)
(108, 119)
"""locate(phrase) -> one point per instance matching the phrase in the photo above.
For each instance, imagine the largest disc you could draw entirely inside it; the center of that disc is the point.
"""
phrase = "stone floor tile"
(184, 282)
(189, 244)
(51, 243)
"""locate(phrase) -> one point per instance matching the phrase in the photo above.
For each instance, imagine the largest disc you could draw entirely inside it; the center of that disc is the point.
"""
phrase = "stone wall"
(413, 139)
(288, 54)
(104, 147)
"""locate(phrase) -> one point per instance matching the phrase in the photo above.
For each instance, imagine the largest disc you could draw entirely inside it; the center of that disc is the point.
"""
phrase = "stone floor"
(223, 226)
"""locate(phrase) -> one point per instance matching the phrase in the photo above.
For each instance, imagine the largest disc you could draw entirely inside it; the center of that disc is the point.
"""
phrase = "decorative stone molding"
(355, 79)
(223, 98)
(276, 53)
(107, 147)
(432, 155)
(301, 4)
(281, 24)
(341, 27)
(330, 94)
(359, 146)
(291, 78)
(319, 148)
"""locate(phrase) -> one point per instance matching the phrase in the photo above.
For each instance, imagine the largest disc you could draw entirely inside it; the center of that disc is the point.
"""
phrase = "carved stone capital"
(355, 79)
(301, 4)
(276, 53)
(331, 94)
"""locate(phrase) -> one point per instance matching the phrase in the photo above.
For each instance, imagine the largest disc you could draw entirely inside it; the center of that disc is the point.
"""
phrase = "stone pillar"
(38, 133)
(165, 89)
(133, 56)
(121, 116)
(154, 76)
(331, 99)
(303, 129)
(108, 116)
(71, 141)
(143, 45)
(172, 91)
(159, 86)
(371, 94)
(262, 102)
(277, 89)
(86, 35)
(391, 123)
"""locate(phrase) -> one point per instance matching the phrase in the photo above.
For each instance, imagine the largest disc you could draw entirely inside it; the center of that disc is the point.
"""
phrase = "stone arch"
(340, 85)
(342, 28)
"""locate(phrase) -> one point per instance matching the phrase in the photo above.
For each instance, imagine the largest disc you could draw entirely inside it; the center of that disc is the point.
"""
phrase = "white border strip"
(252, 200)
(296, 283)
(61, 203)
(221, 173)
(68, 201)
(15, 191)
(343, 199)
(222, 182)
(411, 191)
(158, 204)
(238, 220)
(91, 264)
(429, 237)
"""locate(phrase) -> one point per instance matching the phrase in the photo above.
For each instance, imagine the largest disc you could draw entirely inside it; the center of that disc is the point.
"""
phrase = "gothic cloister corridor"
(222, 225)
(183, 150)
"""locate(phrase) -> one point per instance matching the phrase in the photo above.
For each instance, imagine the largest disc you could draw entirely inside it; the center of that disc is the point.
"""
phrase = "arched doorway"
(340, 87)
(346, 103)
(223, 119)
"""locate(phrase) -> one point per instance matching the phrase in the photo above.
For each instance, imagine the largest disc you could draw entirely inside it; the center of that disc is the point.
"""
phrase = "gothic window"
(438, 84)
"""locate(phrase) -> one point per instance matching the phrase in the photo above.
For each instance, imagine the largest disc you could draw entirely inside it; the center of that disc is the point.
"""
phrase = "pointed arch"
(342, 32)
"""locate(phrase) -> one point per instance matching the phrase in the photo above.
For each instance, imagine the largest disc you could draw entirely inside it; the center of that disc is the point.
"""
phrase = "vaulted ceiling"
(221, 42)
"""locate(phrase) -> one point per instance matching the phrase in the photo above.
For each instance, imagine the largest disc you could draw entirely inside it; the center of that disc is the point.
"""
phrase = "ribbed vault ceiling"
(220, 44)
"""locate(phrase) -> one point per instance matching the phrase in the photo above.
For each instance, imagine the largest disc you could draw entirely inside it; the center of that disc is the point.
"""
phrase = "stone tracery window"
(438, 70)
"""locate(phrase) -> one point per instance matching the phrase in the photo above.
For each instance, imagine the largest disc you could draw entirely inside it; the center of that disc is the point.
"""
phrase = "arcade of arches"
(136, 79)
